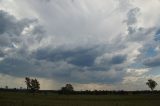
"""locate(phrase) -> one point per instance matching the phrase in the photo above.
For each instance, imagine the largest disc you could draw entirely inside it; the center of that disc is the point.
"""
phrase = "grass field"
(27, 99)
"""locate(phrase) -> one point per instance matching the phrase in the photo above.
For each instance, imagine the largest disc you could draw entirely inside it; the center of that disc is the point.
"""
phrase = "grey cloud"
(132, 16)
(22, 66)
(2, 54)
(74, 62)
(153, 61)
(79, 56)
(140, 34)
(45, 0)
(15, 47)
(135, 32)
(118, 59)
(48, 62)
(60, 71)
(67, 62)
(157, 35)
(67, 51)
(63, 48)
(10, 25)
(113, 59)
(11, 34)
(59, 64)
(132, 20)
(10, 28)
(16, 67)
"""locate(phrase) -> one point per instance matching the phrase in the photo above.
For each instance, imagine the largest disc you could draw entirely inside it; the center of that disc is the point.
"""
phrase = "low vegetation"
(52, 99)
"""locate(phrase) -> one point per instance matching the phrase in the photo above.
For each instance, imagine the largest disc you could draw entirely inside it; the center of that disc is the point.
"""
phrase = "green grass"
(27, 99)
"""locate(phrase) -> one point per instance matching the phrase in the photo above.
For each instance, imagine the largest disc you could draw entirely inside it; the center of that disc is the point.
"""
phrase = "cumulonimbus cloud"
(81, 41)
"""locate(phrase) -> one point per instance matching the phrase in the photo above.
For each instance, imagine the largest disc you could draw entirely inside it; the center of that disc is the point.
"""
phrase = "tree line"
(33, 86)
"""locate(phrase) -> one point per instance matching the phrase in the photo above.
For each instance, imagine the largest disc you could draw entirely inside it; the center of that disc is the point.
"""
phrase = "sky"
(91, 44)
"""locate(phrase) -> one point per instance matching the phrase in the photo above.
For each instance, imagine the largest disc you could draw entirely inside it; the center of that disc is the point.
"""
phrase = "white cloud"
(137, 72)
(80, 41)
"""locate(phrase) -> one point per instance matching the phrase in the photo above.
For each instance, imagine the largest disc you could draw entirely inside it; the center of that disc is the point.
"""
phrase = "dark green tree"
(32, 84)
(28, 82)
(151, 84)
(67, 89)
(35, 86)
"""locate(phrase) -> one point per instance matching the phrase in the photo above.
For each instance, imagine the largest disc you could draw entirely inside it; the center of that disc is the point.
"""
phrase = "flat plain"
(51, 99)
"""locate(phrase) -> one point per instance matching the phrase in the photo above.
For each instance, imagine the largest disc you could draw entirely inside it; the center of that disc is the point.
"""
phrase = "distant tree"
(151, 84)
(32, 84)
(35, 85)
(28, 83)
(67, 89)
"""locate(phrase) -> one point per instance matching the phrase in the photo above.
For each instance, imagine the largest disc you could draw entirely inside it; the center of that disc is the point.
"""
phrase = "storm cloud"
(79, 41)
